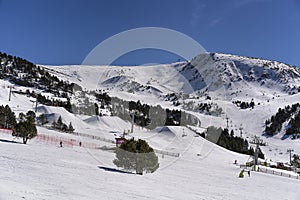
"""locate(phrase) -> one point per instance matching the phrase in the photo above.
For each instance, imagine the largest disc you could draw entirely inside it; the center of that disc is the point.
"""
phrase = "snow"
(167, 79)
(39, 171)
(43, 170)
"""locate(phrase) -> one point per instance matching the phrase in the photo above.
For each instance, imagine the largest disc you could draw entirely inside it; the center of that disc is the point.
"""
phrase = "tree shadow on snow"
(109, 169)
(9, 141)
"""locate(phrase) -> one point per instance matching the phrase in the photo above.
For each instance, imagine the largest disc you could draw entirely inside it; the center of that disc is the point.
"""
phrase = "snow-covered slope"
(225, 78)
(42, 170)
(203, 171)
(199, 73)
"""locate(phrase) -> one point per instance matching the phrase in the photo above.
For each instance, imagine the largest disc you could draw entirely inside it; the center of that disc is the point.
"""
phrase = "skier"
(249, 173)
(80, 144)
(60, 143)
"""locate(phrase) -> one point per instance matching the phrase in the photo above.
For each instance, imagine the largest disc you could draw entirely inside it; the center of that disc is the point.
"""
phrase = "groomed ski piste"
(44, 170)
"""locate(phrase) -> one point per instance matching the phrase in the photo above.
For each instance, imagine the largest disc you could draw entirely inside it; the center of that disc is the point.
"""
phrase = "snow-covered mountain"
(215, 88)
(199, 73)
(215, 79)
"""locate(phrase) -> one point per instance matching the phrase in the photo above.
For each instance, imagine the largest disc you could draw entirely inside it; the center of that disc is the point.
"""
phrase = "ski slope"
(238, 84)
(203, 171)
(43, 170)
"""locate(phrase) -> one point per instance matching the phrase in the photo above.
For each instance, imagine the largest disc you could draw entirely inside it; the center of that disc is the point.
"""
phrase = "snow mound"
(112, 123)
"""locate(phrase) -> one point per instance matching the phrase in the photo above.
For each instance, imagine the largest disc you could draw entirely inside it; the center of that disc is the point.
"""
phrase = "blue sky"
(65, 31)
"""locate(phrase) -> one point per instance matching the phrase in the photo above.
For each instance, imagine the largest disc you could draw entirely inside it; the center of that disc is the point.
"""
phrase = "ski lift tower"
(10, 91)
(290, 152)
(258, 142)
(227, 120)
(133, 113)
(241, 130)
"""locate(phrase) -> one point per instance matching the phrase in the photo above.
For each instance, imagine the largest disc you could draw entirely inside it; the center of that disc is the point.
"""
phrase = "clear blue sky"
(65, 31)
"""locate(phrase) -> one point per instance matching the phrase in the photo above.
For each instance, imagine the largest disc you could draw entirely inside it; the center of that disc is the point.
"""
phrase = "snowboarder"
(235, 162)
(60, 143)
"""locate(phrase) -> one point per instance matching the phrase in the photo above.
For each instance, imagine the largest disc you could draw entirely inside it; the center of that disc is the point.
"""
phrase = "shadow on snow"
(109, 169)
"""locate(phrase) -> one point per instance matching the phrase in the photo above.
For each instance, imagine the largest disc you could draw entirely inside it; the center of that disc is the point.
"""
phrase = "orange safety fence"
(55, 140)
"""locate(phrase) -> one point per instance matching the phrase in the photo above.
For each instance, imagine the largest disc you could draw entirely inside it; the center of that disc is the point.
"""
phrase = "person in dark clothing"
(60, 143)
(249, 173)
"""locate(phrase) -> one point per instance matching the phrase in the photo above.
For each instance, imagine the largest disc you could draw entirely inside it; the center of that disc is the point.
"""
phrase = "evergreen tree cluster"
(296, 161)
(244, 104)
(204, 107)
(274, 125)
(7, 117)
(59, 125)
(173, 117)
(103, 98)
(136, 155)
(171, 97)
(54, 102)
(233, 143)
(26, 128)
(294, 126)
(140, 112)
(151, 116)
(25, 73)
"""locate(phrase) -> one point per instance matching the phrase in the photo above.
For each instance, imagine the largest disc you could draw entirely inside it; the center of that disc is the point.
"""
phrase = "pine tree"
(96, 109)
(26, 127)
(136, 155)
(54, 124)
(70, 128)
(59, 123)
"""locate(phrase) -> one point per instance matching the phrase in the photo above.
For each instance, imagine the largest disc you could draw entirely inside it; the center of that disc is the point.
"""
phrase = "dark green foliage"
(231, 142)
(204, 107)
(96, 108)
(244, 104)
(294, 126)
(7, 117)
(136, 155)
(26, 128)
(59, 125)
(103, 98)
(70, 128)
(33, 76)
(296, 161)
(274, 125)
(51, 102)
(151, 116)
(140, 112)
(173, 117)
